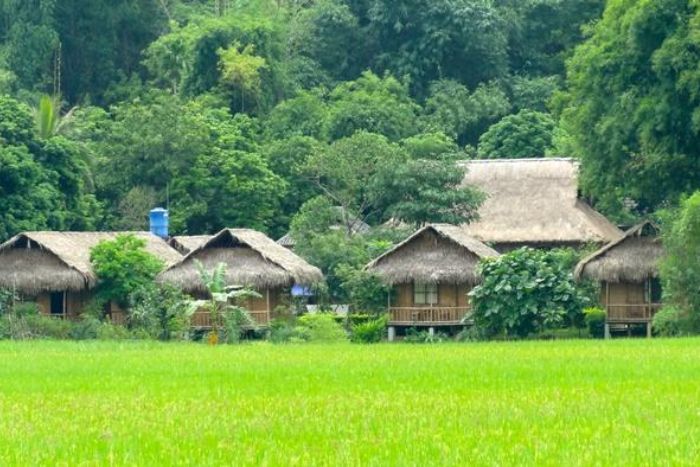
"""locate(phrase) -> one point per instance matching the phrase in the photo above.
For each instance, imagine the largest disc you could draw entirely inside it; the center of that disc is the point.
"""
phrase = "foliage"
(595, 321)
(224, 304)
(680, 268)
(525, 134)
(320, 327)
(123, 266)
(364, 290)
(631, 105)
(525, 291)
(160, 310)
(671, 322)
(369, 332)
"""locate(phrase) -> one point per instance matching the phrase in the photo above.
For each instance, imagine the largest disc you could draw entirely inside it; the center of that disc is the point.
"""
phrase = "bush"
(370, 331)
(162, 311)
(526, 291)
(123, 266)
(680, 268)
(595, 321)
(416, 336)
(320, 327)
(670, 322)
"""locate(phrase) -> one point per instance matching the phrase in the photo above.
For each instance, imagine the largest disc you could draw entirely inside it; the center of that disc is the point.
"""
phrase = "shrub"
(7, 301)
(370, 331)
(123, 266)
(680, 269)
(282, 330)
(526, 291)
(416, 336)
(161, 311)
(670, 322)
(47, 327)
(320, 327)
(595, 321)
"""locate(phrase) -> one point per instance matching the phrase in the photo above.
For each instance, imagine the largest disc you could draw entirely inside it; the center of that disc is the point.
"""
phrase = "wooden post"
(649, 329)
(607, 330)
(391, 333)
(431, 331)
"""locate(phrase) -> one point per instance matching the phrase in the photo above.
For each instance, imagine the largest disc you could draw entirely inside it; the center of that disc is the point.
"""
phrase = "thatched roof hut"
(35, 262)
(253, 260)
(186, 243)
(534, 202)
(437, 253)
(631, 258)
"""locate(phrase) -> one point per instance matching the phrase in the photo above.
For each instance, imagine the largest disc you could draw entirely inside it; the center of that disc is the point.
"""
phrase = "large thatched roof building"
(534, 202)
(252, 260)
(431, 273)
(35, 262)
(628, 271)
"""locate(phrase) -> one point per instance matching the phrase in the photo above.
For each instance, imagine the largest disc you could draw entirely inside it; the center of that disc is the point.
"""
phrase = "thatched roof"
(253, 260)
(436, 253)
(534, 201)
(34, 262)
(632, 258)
(186, 243)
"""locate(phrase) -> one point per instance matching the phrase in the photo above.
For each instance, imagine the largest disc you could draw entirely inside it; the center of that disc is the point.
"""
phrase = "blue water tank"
(159, 222)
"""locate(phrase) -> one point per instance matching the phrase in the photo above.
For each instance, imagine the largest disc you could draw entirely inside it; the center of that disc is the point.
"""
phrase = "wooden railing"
(427, 315)
(202, 319)
(631, 313)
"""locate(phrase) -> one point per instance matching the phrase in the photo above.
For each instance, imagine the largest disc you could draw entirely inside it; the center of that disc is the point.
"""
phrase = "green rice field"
(631, 402)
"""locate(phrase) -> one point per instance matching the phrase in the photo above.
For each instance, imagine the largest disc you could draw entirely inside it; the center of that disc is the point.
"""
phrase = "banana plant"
(224, 302)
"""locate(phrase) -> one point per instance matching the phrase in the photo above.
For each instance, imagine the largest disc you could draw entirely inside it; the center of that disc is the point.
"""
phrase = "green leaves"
(526, 291)
(123, 266)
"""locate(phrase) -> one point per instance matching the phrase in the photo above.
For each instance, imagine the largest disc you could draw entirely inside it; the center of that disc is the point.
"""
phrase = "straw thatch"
(437, 253)
(632, 258)
(534, 201)
(186, 243)
(34, 262)
(252, 260)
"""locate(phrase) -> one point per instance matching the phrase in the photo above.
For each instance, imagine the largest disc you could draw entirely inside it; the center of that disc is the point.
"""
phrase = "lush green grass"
(572, 402)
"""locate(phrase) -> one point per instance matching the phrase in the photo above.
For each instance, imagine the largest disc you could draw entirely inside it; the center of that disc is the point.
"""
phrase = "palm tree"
(224, 304)
(48, 119)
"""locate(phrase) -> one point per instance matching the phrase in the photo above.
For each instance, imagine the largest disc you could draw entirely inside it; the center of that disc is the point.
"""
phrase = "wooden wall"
(449, 295)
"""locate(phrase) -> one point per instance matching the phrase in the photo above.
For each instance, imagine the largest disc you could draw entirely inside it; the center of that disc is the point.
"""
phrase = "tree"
(123, 266)
(45, 182)
(464, 40)
(680, 268)
(373, 104)
(241, 71)
(526, 291)
(525, 134)
(631, 105)
(303, 115)
(452, 109)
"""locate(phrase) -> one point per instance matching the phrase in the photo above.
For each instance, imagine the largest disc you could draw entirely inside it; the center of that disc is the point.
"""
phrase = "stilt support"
(607, 331)
(391, 333)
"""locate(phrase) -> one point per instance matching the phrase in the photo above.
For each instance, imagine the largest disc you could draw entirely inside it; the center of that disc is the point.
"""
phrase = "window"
(425, 294)
(57, 303)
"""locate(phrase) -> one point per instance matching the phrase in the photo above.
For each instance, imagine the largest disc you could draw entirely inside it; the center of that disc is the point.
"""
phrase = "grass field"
(567, 402)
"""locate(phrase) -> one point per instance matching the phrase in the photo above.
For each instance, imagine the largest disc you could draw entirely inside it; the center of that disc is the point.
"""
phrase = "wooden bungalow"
(431, 273)
(53, 269)
(534, 202)
(253, 260)
(627, 270)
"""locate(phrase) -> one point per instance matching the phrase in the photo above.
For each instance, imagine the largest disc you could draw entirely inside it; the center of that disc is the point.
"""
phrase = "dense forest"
(249, 113)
